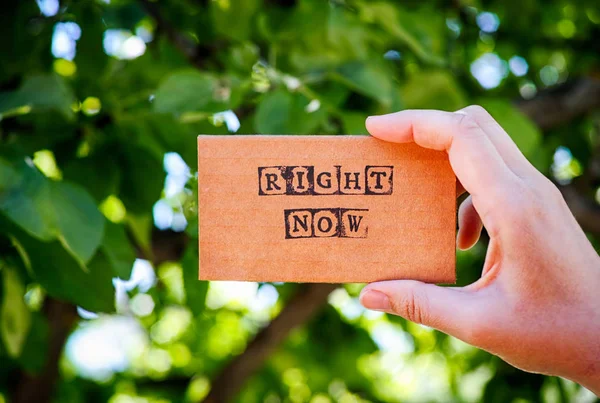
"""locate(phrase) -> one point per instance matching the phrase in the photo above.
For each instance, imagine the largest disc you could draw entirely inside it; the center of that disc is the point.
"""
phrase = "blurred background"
(100, 105)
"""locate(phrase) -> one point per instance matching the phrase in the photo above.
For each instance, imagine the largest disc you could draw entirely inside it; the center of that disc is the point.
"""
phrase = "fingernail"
(376, 300)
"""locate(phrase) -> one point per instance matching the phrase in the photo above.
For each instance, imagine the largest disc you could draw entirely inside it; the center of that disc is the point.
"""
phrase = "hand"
(537, 303)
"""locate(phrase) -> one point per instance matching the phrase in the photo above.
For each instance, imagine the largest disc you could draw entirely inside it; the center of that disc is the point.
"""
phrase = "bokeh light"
(122, 44)
(488, 22)
(64, 40)
(489, 70)
(48, 8)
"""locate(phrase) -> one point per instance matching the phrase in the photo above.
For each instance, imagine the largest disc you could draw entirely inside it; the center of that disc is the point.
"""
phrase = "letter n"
(299, 223)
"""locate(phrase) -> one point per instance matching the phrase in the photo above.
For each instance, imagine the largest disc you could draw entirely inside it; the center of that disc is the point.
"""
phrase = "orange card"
(332, 209)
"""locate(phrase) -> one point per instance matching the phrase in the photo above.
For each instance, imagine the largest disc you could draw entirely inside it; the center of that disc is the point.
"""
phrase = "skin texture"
(537, 303)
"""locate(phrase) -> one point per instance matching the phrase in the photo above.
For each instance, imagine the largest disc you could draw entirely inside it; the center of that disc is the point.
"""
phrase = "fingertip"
(376, 300)
(469, 225)
(371, 124)
(366, 289)
(390, 127)
(468, 236)
(466, 241)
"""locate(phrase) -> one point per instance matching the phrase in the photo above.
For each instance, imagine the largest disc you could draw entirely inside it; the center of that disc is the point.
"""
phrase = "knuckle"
(523, 205)
(541, 198)
(509, 190)
(515, 200)
(476, 110)
(529, 203)
(548, 190)
(466, 125)
(413, 305)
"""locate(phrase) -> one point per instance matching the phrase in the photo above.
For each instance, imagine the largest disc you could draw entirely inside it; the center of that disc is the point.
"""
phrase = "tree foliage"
(100, 105)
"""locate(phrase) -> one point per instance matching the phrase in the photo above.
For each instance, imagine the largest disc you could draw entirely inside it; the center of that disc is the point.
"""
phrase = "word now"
(306, 180)
(325, 223)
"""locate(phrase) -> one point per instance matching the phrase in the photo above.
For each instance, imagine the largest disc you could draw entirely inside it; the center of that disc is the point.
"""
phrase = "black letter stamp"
(304, 180)
(325, 223)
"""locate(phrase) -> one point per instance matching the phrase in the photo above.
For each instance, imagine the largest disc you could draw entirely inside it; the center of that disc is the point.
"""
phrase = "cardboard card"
(332, 209)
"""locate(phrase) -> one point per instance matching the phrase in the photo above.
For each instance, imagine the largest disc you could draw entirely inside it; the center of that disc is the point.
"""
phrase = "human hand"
(537, 303)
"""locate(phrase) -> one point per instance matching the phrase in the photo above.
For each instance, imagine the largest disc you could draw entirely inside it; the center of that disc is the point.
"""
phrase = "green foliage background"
(82, 144)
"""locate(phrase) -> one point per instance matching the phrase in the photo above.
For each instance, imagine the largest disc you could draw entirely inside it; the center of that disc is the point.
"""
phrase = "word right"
(306, 180)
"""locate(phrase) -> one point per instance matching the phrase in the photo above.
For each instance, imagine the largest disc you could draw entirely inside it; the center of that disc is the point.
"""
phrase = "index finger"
(473, 157)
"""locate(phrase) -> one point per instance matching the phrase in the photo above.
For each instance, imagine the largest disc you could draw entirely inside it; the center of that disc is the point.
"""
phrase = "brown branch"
(167, 246)
(196, 54)
(40, 387)
(585, 210)
(555, 106)
(304, 305)
(179, 40)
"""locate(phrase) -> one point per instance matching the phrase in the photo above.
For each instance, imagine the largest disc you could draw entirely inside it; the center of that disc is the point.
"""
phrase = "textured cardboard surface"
(330, 209)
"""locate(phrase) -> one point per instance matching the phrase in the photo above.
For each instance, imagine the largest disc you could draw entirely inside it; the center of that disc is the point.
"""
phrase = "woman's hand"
(537, 303)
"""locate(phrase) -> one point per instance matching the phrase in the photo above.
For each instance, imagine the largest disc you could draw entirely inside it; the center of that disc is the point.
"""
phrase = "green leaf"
(27, 202)
(117, 249)
(284, 112)
(51, 210)
(9, 176)
(433, 90)
(354, 123)
(233, 19)
(347, 36)
(14, 315)
(273, 113)
(62, 276)
(519, 127)
(367, 79)
(192, 91)
(161, 133)
(40, 93)
(142, 179)
(99, 175)
(414, 29)
(79, 224)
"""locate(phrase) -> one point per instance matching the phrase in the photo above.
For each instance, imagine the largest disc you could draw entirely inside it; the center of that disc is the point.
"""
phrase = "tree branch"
(303, 306)
(196, 54)
(40, 387)
(555, 106)
(179, 40)
(585, 210)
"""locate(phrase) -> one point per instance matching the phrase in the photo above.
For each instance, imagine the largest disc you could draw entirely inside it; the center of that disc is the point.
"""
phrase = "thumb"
(451, 310)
